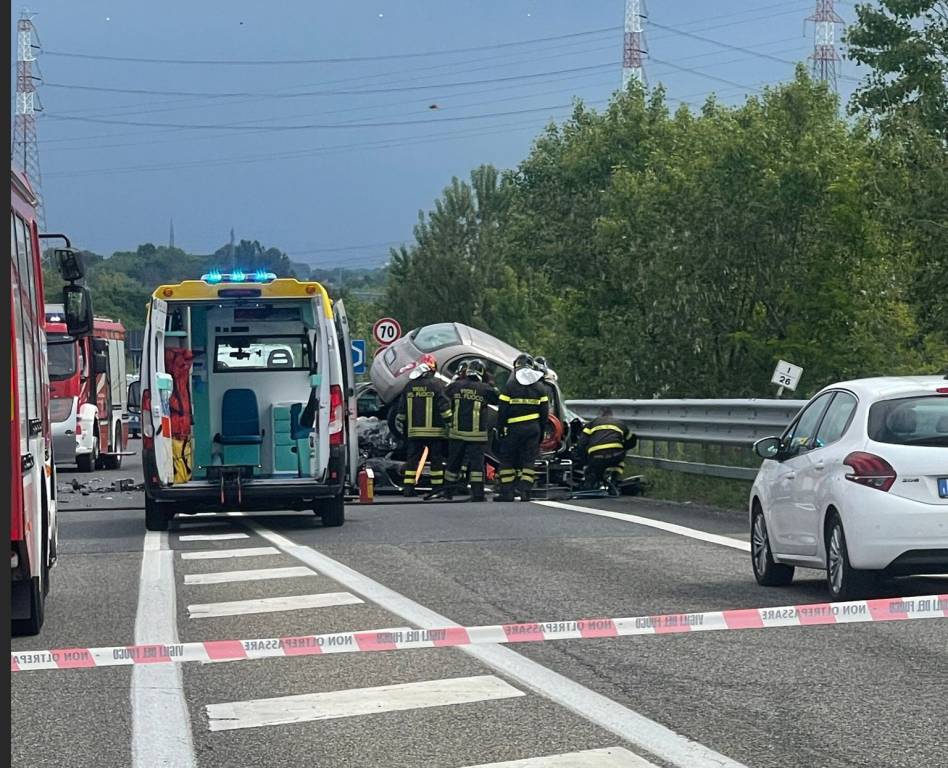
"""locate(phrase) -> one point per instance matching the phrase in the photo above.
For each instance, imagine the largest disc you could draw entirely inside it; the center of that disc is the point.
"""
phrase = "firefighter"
(604, 442)
(522, 416)
(467, 430)
(423, 413)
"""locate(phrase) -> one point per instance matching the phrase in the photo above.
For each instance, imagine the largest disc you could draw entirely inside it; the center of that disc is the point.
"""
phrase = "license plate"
(943, 487)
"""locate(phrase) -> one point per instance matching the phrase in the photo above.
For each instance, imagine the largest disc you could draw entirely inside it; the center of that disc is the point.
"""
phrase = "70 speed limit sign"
(386, 331)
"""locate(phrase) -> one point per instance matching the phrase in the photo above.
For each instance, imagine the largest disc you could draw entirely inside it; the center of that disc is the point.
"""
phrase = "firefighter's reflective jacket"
(605, 433)
(424, 409)
(523, 404)
(470, 399)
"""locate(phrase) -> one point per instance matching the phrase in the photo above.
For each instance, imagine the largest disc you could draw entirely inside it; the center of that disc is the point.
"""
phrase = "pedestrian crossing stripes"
(271, 604)
(611, 757)
(214, 554)
(256, 574)
(357, 701)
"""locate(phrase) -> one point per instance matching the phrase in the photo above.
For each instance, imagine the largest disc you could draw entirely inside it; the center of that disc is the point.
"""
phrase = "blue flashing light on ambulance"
(247, 398)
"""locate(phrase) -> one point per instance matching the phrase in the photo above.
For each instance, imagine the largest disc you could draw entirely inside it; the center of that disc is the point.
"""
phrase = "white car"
(856, 485)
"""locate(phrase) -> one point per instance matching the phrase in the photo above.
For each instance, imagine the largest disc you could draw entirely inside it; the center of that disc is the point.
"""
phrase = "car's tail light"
(78, 427)
(335, 416)
(870, 470)
(148, 432)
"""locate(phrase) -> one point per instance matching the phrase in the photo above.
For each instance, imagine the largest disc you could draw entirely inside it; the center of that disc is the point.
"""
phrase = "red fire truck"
(33, 539)
(89, 397)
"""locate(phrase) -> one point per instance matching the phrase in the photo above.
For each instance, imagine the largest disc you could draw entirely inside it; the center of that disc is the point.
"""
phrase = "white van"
(248, 399)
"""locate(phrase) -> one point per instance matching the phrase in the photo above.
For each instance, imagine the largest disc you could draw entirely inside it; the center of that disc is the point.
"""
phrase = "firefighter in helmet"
(522, 416)
(423, 412)
(603, 444)
(470, 397)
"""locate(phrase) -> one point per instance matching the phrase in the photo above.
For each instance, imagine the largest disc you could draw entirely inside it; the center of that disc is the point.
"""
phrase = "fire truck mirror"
(100, 361)
(71, 266)
(77, 303)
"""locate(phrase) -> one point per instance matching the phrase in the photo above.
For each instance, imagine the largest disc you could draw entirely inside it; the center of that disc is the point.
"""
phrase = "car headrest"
(279, 358)
(902, 422)
(941, 425)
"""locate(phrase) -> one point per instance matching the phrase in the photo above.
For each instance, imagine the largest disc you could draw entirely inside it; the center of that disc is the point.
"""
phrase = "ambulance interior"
(241, 382)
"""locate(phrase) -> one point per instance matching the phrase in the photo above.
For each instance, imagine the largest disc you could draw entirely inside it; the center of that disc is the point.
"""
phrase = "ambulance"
(247, 400)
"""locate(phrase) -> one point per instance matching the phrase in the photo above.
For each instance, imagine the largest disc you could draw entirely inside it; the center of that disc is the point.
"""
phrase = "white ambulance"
(247, 398)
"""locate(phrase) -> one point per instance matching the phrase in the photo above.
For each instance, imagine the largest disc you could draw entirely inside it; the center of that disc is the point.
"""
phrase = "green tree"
(905, 42)
(454, 271)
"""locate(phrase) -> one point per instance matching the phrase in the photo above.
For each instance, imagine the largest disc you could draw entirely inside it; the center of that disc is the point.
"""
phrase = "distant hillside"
(122, 283)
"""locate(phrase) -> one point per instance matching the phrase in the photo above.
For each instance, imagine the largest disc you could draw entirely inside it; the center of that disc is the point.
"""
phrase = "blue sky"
(340, 191)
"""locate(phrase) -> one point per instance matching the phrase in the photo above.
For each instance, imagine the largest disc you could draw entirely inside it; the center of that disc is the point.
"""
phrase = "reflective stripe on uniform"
(604, 447)
(477, 477)
(613, 427)
(528, 417)
(425, 432)
(524, 400)
(528, 474)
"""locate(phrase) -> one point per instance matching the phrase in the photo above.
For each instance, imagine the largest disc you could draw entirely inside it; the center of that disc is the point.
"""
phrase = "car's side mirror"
(77, 303)
(768, 447)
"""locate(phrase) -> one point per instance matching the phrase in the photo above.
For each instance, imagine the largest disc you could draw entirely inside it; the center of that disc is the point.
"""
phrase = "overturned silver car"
(451, 344)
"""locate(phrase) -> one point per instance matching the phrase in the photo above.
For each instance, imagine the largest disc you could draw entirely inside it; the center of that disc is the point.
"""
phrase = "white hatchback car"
(856, 485)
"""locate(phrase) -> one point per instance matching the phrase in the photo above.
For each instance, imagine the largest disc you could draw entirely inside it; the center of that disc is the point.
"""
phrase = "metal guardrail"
(678, 428)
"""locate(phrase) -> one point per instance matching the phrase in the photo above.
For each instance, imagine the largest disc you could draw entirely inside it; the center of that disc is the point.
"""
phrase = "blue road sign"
(358, 355)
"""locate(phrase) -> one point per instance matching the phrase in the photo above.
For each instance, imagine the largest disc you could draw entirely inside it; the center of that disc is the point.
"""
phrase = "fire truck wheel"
(35, 590)
(332, 511)
(156, 518)
(89, 462)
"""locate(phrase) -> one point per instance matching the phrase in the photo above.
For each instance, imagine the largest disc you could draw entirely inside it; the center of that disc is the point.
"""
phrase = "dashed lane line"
(354, 702)
(611, 757)
(215, 554)
(271, 605)
(161, 726)
(256, 574)
(600, 710)
(680, 530)
(212, 536)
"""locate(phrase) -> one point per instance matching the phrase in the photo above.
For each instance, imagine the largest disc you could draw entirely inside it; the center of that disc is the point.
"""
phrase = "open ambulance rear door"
(348, 388)
(159, 389)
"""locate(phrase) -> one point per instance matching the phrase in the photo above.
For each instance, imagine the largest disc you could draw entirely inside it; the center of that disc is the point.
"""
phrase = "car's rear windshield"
(910, 421)
(433, 337)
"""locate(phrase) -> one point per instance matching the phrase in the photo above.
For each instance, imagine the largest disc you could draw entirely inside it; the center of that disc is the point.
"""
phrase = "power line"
(317, 126)
(339, 60)
(301, 94)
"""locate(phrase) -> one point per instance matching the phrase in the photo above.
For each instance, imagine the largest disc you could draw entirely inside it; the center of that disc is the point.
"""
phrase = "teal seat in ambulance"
(240, 436)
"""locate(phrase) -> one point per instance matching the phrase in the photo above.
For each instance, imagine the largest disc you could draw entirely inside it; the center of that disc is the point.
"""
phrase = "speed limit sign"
(386, 331)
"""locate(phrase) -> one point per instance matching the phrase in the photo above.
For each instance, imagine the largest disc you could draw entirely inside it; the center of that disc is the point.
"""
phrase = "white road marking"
(271, 604)
(258, 574)
(212, 536)
(611, 757)
(214, 554)
(357, 701)
(157, 696)
(625, 723)
(681, 530)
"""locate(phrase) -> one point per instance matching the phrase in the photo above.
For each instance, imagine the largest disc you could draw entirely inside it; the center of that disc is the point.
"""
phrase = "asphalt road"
(841, 695)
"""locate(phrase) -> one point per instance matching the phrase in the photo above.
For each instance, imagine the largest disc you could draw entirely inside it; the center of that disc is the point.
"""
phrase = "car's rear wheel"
(844, 581)
(767, 572)
(89, 462)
